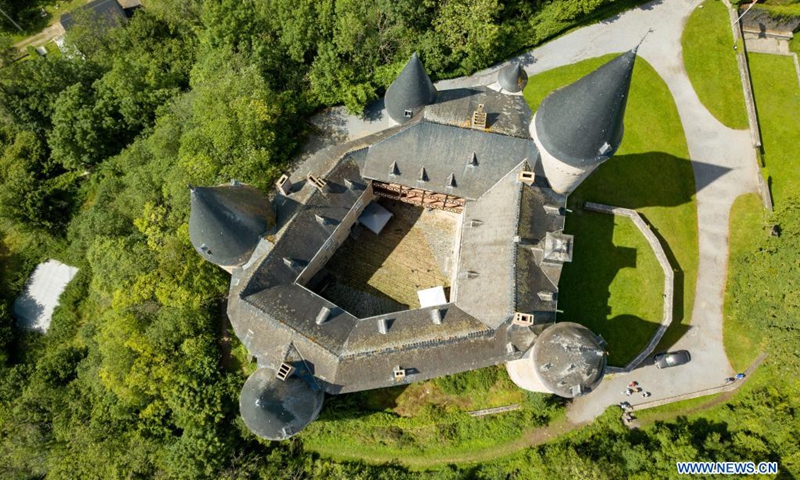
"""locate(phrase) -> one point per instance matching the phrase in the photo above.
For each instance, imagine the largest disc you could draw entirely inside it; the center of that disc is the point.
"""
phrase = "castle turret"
(410, 92)
(567, 360)
(276, 409)
(578, 127)
(227, 222)
(512, 78)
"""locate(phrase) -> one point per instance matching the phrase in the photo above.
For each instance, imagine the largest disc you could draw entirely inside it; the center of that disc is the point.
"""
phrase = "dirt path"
(47, 35)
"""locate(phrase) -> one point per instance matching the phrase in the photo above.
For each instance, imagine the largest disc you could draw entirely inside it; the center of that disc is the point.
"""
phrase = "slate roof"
(569, 359)
(276, 409)
(411, 90)
(487, 252)
(582, 124)
(541, 212)
(107, 13)
(227, 221)
(512, 78)
(443, 150)
(506, 114)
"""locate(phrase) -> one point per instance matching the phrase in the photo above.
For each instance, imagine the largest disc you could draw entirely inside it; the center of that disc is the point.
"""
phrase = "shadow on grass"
(636, 181)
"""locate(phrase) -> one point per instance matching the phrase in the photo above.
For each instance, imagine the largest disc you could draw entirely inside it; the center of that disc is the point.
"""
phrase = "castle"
(498, 177)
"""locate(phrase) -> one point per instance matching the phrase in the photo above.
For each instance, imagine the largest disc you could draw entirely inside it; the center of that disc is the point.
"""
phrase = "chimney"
(284, 371)
(383, 325)
(436, 316)
(323, 315)
(479, 118)
(318, 183)
(284, 185)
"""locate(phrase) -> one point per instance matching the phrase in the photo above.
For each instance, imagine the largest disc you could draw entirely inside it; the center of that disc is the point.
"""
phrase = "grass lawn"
(428, 421)
(777, 95)
(711, 63)
(742, 341)
(612, 286)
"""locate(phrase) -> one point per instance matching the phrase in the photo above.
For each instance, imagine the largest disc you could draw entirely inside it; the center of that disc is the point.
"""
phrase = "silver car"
(671, 359)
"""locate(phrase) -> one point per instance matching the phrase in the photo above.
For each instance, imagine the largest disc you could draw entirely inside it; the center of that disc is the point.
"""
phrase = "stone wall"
(669, 279)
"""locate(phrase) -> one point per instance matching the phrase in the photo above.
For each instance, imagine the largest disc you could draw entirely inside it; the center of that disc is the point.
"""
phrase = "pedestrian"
(633, 384)
(628, 392)
(739, 376)
(646, 394)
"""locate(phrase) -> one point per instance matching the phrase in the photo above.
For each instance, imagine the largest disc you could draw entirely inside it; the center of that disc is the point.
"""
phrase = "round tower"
(277, 409)
(512, 78)
(227, 221)
(567, 360)
(578, 127)
(410, 92)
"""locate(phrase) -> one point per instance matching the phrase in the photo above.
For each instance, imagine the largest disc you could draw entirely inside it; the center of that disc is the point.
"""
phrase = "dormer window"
(408, 114)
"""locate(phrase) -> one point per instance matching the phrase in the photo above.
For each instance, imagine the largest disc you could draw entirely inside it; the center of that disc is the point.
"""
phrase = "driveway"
(712, 147)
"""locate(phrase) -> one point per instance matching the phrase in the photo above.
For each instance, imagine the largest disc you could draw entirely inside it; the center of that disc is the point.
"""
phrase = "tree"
(766, 293)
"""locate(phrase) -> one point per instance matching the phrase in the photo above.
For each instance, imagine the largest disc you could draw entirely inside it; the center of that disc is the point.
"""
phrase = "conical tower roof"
(512, 78)
(227, 221)
(569, 359)
(581, 124)
(277, 409)
(410, 91)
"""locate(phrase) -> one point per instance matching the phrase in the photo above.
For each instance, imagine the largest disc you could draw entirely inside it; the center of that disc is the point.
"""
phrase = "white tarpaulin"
(375, 217)
(431, 297)
(34, 307)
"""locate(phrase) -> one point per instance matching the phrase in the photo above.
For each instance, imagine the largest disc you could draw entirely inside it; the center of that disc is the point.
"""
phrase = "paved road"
(724, 166)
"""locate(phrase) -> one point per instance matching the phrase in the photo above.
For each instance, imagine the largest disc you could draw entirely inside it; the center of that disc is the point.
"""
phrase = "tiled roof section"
(428, 360)
(442, 150)
(569, 359)
(485, 280)
(512, 77)
(412, 328)
(581, 124)
(297, 308)
(506, 114)
(106, 13)
(411, 91)
(541, 211)
(304, 236)
(227, 221)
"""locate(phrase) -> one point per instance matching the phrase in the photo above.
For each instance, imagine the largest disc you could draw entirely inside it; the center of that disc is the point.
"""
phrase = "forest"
(96, 151)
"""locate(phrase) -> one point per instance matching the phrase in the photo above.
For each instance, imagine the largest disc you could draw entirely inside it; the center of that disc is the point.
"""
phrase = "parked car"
(671, 359)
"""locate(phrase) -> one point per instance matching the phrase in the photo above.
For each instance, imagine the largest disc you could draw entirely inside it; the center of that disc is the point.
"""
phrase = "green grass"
(743, 343)
(710, 62)
(777, 95)
(428, 421)
(651, 174)
(626, 270)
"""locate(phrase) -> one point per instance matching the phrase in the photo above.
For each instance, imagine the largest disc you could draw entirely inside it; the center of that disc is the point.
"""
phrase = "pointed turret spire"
(410, 92)
(581, 124)
(227, 221)
(512, 78)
